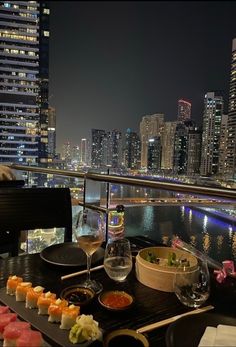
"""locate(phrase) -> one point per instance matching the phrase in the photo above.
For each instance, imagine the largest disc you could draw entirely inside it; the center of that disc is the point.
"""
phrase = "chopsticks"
(81, 272)
(161, 323)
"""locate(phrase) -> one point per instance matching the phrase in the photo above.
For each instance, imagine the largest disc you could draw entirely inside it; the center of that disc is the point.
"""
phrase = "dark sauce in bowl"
(125, 337)
(77, 295)
(125, 340)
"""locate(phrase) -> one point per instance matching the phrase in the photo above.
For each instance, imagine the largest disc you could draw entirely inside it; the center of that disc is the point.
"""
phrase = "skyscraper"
(114, 148)
(132, 150)
(154, 154)
(84, 152)
(231, 141)
(99, 148)
(150, 126)
(51, 132)
(24, 39)
(213, 111)
(184, 110)
(223, 145)
(168, 146)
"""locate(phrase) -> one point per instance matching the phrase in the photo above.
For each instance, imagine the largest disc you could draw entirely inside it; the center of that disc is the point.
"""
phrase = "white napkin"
(223, 335)
(208, 338)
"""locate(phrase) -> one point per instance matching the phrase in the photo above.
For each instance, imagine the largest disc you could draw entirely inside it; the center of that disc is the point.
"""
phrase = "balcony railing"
(154, 209)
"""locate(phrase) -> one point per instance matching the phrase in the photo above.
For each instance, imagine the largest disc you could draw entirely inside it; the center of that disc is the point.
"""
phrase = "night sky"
(113, 62)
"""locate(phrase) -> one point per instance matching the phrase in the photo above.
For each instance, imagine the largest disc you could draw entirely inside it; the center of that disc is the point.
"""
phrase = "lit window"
(46, 33)
(46, 11)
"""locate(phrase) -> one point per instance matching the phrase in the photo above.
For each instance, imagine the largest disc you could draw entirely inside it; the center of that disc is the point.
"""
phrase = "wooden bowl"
(161, 276)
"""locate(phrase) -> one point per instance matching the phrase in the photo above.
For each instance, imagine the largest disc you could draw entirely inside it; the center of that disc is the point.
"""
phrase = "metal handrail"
(148, 183)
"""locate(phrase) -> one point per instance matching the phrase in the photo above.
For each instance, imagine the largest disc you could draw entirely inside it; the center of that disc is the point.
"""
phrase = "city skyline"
(111, 63)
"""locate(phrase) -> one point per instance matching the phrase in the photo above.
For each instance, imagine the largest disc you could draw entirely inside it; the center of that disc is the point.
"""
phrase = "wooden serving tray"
(52, 334)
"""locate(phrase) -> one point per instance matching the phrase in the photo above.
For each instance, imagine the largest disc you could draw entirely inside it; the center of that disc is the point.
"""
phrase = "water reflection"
(213, 236)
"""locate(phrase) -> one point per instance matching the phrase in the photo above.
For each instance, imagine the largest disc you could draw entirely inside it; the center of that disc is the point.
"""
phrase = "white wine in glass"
(90, 234)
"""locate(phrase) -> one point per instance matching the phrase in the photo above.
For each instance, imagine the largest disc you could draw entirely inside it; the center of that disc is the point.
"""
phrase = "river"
(210, 234)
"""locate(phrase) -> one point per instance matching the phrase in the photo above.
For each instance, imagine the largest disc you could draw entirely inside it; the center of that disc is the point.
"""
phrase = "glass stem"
(89, 258)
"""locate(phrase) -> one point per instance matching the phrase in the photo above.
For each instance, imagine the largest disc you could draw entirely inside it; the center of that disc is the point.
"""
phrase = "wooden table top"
(150, 305)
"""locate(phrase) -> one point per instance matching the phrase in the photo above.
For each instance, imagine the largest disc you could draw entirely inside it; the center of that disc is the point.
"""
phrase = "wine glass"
(90, 234)
(192, 288)
(118, 259)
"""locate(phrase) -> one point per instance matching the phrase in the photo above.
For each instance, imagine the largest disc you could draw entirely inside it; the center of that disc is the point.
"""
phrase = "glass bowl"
(115, 300)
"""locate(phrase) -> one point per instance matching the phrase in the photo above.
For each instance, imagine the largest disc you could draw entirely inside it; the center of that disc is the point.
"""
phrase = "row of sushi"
(58, 310)
(17, 333)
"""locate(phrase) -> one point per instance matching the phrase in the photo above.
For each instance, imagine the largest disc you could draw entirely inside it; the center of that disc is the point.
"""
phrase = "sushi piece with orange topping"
(55, 310)
(32, 296)
(21, 290)
(44, 301)
(12, 283)
(69, 315)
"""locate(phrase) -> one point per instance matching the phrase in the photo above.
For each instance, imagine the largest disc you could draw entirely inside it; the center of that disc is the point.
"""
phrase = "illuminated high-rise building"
(187, 144)
(132, 150)
(231, 141)
(67, 152)
(51, 132)
(184, 110)
(99, 148)
(213, 111)
(168, 146)
(154, 154)
(84, 152)
(24, 46)
(223, 145)
(114, 148)
(150, 126)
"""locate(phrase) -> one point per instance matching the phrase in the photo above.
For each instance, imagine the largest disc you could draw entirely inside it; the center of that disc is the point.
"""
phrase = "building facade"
(150, 126)
(168, 146)
(213, 111)
(99, 148)
(154, 155)
(132, 150)
(24, 42)
(184, 110)
(231, 140)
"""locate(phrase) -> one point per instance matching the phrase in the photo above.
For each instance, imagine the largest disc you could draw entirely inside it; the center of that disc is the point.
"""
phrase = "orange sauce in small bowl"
(116, 300)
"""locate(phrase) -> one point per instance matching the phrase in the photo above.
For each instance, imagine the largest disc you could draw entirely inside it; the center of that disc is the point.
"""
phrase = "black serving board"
(52, 334)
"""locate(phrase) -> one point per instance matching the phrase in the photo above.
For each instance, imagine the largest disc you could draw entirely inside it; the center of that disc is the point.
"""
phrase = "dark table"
(150, 305)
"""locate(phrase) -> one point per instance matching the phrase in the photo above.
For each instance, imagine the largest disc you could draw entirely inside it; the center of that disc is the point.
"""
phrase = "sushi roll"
(5, 319)
(12, 283)
(21, 290)
(44, 301)
(32, 296)
(4, 309)
(30, 338)
(55, 310)
(12, 331)
(68, 317)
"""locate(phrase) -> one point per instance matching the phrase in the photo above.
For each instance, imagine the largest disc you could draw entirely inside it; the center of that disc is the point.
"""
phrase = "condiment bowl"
(125, 337)
(77, 295)
(115, 300)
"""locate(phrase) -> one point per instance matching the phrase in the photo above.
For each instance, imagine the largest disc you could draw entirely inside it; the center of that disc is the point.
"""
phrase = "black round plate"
(188, 331)
(69, 254)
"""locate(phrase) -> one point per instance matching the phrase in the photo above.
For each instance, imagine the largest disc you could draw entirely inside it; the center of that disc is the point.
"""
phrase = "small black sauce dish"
(77, 295)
